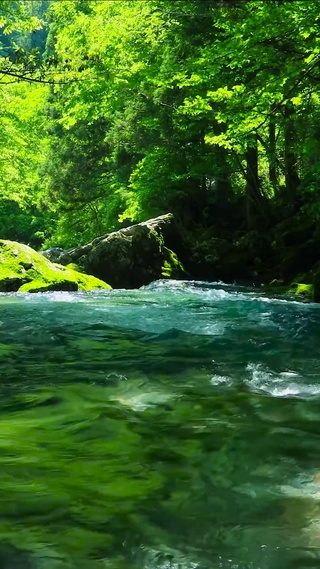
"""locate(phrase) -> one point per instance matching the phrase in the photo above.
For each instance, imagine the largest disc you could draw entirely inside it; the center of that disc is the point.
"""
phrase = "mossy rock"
(23, 269)
(74, 267)
(303, 290)
(133, 256)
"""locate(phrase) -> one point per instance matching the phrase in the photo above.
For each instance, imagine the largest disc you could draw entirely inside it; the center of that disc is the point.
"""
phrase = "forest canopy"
(113, 112)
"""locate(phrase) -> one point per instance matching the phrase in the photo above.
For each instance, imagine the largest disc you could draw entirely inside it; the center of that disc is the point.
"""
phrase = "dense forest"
(115, 112)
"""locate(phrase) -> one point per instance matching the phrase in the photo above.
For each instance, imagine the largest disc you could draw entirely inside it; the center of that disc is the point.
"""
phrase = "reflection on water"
(173, 427)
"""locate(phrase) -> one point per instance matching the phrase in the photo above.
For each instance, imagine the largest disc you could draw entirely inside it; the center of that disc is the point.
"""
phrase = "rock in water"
(53, 254)
(131, 257)
(23, 269)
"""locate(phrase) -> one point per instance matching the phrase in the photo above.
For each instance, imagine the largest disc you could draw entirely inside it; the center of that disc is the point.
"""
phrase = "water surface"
(172, 427)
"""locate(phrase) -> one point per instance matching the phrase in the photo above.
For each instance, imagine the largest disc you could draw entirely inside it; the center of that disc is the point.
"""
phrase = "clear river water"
(172, 427)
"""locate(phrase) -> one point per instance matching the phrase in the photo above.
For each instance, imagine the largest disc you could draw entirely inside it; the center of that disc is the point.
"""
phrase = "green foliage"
(194, 108)
(164, 89)
(23, 145)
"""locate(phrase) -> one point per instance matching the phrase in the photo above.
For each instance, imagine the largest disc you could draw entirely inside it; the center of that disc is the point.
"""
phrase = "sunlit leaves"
(220, 140)
(189, 78)
(196, 106)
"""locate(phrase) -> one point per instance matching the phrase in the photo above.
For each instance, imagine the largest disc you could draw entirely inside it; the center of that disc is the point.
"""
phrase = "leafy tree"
(208, 109)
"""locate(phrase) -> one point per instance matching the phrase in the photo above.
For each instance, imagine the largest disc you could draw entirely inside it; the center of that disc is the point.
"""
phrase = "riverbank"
(282, 259)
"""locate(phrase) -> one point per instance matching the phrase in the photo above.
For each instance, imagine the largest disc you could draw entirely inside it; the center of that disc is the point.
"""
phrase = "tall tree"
(189, 106)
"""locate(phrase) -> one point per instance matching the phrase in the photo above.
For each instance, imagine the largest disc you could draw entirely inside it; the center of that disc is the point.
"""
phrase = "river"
(172, 427)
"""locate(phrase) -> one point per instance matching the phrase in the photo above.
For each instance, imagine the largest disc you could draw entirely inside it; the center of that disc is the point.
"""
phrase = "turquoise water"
(172, 427)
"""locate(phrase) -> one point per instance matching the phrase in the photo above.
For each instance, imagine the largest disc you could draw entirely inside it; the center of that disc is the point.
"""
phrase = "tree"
(201, 108)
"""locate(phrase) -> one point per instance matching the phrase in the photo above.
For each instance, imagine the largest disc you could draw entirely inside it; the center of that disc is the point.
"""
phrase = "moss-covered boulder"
(23, 269)
(302, 288)
(133, 256)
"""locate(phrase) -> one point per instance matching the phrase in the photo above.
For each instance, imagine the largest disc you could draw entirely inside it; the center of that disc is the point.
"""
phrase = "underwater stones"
(23, 269)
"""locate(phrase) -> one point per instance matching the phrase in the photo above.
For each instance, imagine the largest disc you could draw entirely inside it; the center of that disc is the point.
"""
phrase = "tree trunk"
(290, 159)
(223, 185)
(253, 182)
(272, 150)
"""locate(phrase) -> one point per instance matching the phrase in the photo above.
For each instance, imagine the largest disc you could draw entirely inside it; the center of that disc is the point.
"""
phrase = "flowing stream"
(172, 427)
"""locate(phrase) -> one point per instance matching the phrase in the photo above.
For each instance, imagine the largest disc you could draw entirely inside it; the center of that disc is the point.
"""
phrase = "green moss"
(88, 282)
(74, 267)
(23, 269)
(301, 289)
(171, 267)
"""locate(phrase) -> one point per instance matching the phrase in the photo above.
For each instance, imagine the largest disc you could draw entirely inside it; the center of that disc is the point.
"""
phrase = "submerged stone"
(23, 269)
